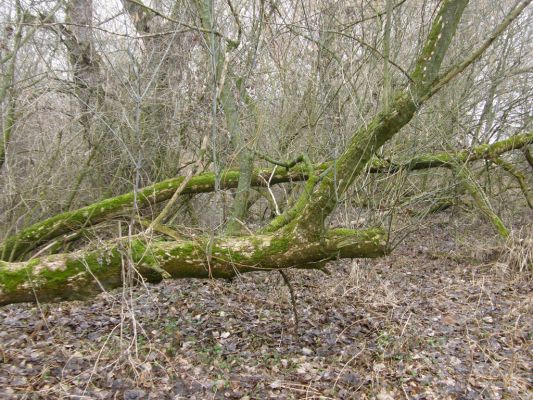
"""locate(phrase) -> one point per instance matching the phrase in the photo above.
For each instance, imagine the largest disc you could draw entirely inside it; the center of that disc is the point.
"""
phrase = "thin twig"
(293, 299)
(159, 219)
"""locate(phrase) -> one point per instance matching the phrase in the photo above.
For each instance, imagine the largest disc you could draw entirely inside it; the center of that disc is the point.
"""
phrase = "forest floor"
(443, 317)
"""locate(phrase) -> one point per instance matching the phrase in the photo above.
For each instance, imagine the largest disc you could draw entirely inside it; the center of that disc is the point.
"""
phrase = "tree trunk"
(15, 247)
(299, 240)
(366, 141)
(225, 78)
(7, 90)
(85, 273)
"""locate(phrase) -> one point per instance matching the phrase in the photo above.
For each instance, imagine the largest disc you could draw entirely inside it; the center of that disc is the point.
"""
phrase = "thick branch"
(85, 273)
(480, 198)
(460, 67)
(518, 175)
(447, 159)
(368, 139)
(14, 247)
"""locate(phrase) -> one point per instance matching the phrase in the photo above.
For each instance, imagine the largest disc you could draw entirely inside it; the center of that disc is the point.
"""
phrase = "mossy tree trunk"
(447, 159)
(15, 247)
(87, 272)
(310, 222)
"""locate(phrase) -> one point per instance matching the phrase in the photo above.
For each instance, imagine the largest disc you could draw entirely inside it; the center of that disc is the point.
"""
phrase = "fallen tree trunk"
(301, 240)
(16, 246)
(85, 273)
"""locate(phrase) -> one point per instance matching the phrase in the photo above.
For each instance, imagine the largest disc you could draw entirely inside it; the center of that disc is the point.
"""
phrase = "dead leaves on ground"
(411, 326)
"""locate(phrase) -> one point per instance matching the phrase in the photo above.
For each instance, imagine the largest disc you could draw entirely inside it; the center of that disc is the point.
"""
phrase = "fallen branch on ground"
(87, 272)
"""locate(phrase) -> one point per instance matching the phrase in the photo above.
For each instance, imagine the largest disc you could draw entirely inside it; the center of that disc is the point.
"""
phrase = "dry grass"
(519, 254)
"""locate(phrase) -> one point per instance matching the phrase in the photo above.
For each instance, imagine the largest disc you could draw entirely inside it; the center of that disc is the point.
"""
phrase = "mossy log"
(16, 246)
(85, 273)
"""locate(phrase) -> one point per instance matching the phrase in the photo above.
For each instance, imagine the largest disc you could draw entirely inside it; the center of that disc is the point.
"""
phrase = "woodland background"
(101, 98)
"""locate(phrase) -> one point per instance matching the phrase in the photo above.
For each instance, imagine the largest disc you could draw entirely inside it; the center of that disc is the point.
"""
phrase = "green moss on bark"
(15, 247)
(85, 273)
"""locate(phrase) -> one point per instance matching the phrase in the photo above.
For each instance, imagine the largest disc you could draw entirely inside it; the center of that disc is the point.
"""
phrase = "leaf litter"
(427, 322)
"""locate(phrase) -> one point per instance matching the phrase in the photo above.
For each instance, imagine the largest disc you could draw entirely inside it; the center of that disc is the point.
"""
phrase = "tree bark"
(367, 140)
(447, 159)
(425, 82)
(84, 273)
(7, 90)
(225, 78)
(15, 247)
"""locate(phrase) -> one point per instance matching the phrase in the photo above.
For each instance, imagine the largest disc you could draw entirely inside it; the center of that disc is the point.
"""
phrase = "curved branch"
(15, 247)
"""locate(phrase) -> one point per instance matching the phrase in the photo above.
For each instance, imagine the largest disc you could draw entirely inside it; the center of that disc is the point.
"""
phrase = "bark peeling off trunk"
(84, 273)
